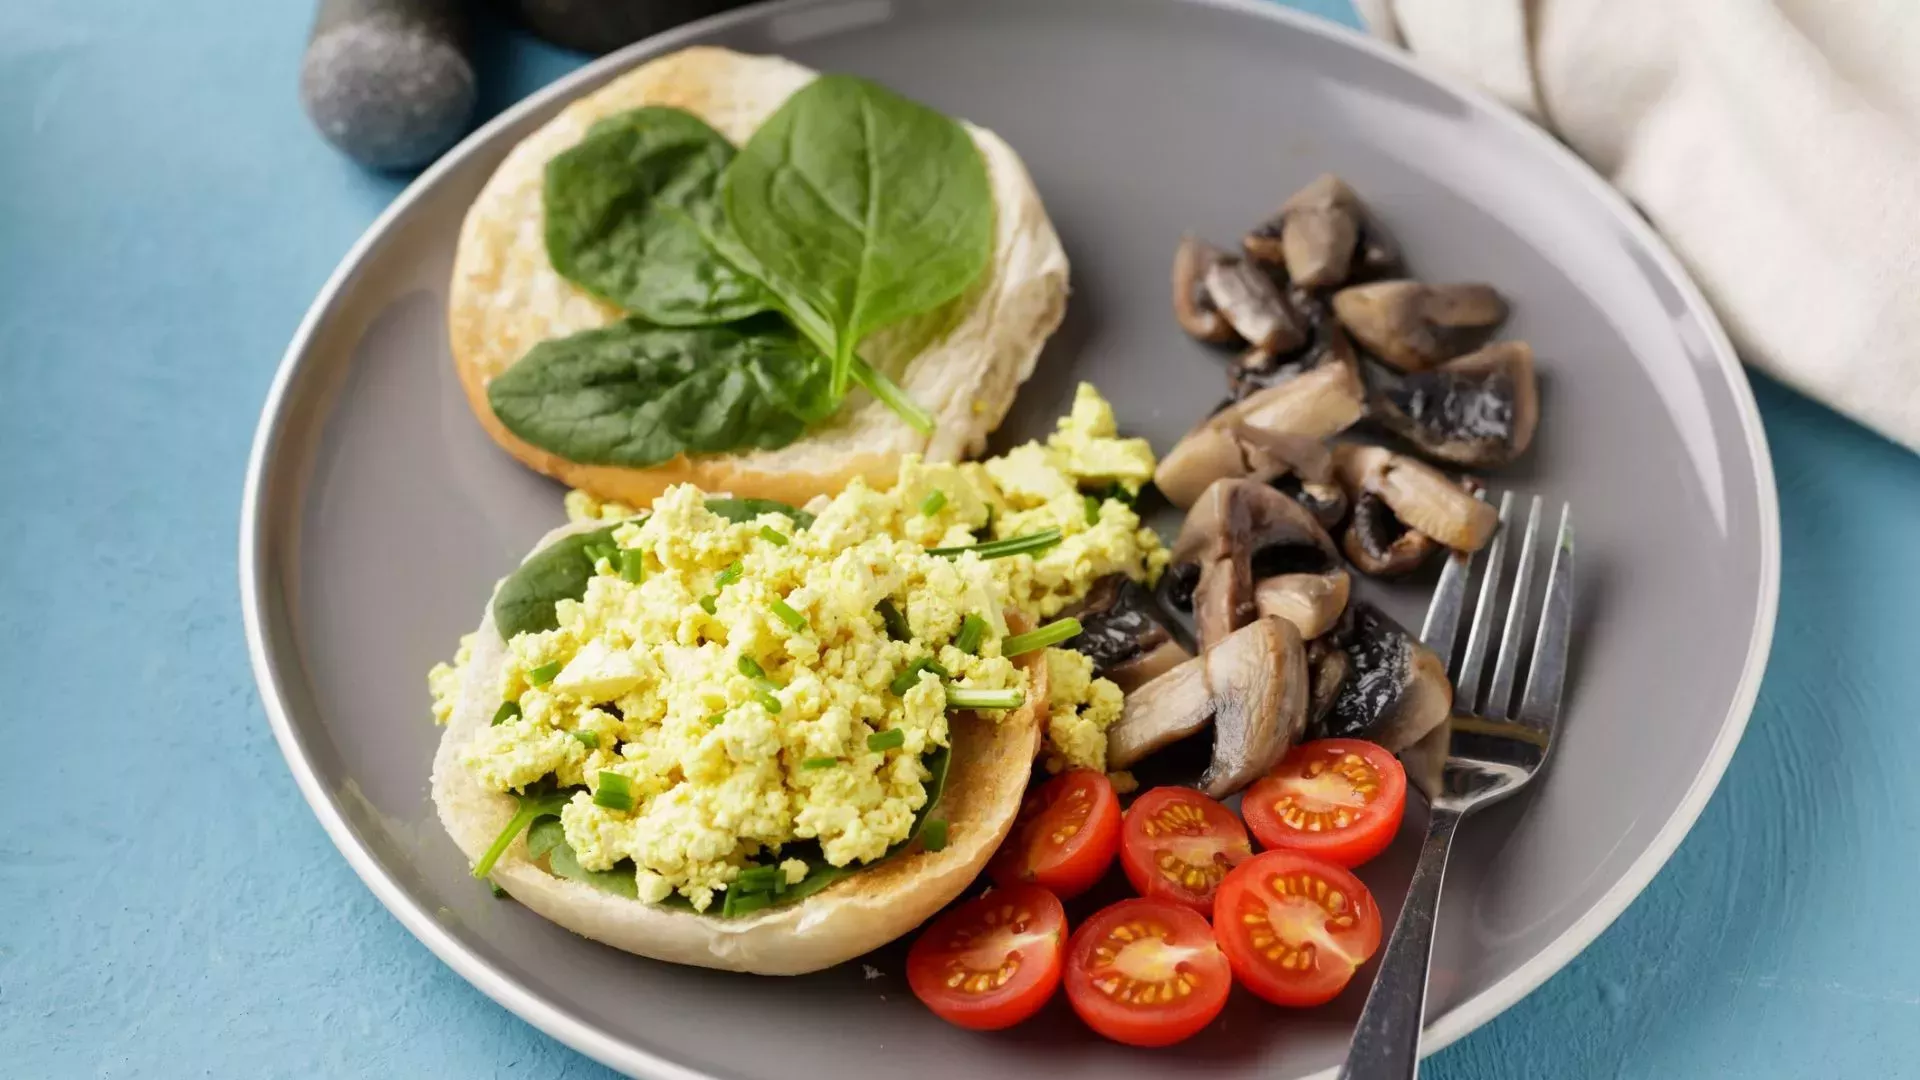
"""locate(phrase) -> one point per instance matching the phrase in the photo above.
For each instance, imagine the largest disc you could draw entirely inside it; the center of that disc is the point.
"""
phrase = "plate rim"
(269, 437)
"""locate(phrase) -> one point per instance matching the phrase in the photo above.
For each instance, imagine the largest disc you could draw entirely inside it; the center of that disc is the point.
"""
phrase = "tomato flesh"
(1065, 836)
(1293, 928)
(1177, 845)
(993, 961)
(1146, 973)
(1338, 800)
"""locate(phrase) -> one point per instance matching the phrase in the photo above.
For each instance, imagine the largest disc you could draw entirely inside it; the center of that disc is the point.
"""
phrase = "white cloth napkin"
(1775, 144)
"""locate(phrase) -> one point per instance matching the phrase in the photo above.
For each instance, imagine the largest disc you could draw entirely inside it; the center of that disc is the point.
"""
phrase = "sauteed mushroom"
(1325, 237)
(1251, 688)
(1254, 306)
(1256, 369)
(1396, 690)
(1313, 603)
(1479, 409)
(1327, 670)
(1414, 326)
(1192, 305)
(1219, 451)
(1123, 635)
(1238, 532)
(1395, 496)
(1319, 403)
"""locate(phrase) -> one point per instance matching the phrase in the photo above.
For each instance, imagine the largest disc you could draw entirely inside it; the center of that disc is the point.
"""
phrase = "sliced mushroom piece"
(1252, 688)
(1414, 326)
(1327, 669)
(1238, 532)
(1254, 306)
(1478, 410)
(1192, 304)
(1396, 690)
(1380, 544)
(1123, 634)
(1423, 498)
(1319, 232)
(1213, 452)
(1319, 402)
(1313, 603)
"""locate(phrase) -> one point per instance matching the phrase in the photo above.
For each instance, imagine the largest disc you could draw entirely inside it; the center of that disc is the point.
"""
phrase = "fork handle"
(1386, 1043)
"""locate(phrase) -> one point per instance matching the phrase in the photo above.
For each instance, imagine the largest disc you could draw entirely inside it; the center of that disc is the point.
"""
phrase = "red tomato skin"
(1092, 849)
(1136, 848)
(1354, 846)
(1289, 988)
(927, 971)
(1122, 1023)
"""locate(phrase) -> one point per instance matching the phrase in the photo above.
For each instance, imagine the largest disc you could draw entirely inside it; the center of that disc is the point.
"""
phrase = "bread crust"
(986, 780)
(962, 362)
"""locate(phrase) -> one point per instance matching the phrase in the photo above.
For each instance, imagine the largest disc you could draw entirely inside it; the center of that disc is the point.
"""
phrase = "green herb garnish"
(542, 675)
(896, 623)
(1030, 544)
(933, 836)
(508, 710)
(773, 536)
(935, 501)
(792, 618)
(710, 603)
(632, 565)
(1051, 634)
(730, 575)
(960, 697)
(614, 791)
(588, 739)
(972, 629)
(891, 739)
(530, 807)
(910, 676)
(1093, 510)
(820, 763)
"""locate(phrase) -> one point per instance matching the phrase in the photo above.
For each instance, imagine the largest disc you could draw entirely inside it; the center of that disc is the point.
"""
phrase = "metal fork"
(1491, 752)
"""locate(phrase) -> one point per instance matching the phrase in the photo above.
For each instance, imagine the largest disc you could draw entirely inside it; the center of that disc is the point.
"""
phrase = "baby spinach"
(862, 208)
(636, 395)
(633, 216)
(559, 571)
(548, 838)
(741, 511)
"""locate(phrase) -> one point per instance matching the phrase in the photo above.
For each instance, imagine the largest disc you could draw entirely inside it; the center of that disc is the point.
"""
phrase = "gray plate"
(377, 514)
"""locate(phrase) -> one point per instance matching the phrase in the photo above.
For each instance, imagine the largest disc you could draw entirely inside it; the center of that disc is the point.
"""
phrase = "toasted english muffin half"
(962, 362)
(986, 779)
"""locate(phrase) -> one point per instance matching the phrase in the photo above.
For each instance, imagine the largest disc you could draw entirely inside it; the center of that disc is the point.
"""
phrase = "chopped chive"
(1053, 633)
(596, 552)
(588, 739)
(730, 575)
(1029, 544)
(714, 720)
(508, 710)
(709, 603)
(933, 835)
(933, 503)
(820, 763)
(910, 677)
(767, 701)
(758, 879)
(897, 627)
(763, 687)
(633, 565)
(1093, 510)
(773, 536)
(543, 674)
(891, 739)
(960, 697)
(787, 615)
(614, 792)
(889, 393)
(751, 668)
(972, 629)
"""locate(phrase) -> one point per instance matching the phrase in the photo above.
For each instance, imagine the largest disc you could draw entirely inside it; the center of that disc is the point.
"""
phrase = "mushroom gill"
(1237, 533)
(1122, 633)
(1389, 490)
(1478, 410)
(1395, 690)
(1192, 305)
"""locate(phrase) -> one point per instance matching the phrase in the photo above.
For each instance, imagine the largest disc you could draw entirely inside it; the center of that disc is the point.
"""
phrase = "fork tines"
(1546, 677)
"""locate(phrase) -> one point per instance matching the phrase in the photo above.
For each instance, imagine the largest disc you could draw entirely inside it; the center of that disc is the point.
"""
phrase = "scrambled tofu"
(742, 682)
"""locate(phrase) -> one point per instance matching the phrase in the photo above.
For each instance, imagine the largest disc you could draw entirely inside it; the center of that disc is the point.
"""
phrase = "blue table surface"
(168, 905)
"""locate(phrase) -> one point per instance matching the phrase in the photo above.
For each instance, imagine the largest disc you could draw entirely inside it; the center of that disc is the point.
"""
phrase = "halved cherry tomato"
(1176, 844)
(1295, 928)
(1340, 800)
(1146, 973)
(1065, 836)
(993, 961)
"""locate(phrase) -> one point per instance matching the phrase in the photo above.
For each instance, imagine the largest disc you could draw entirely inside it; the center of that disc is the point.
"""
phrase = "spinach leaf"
(634, 394)
(740, 511)
(861, 208)
(548, 838)
(633, 216)
(530, 806)
(559, 571)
